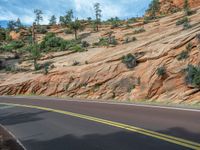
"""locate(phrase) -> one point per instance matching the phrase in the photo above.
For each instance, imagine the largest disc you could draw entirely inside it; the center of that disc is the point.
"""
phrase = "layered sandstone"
(104, 76)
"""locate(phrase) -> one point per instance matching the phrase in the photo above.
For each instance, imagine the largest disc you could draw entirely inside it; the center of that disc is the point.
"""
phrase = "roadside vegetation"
(193, 76)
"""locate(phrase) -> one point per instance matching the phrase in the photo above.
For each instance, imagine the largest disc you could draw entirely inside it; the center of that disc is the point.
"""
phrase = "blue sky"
(12, 9)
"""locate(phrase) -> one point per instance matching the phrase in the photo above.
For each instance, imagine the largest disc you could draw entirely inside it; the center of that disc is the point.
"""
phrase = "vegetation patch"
(13, 45)
(161, 71)
(128, 40)
(139, 30)
(41, 30)
(182, 21)
(183, 55)
(193, 76)
(130, 61)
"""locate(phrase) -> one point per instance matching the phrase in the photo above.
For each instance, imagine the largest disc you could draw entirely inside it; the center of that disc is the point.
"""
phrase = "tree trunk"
(33, 33)
(75, 33)
(35, 64)
(97, 27)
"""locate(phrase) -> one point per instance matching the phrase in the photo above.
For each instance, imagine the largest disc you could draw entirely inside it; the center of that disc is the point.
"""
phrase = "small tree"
(35, 55)
(52, 20)
(186, 7)
(75, 26)
(18, 24)
(67, 19)
(98, 15)
(38, 16)
(130, 61)
(11, 25)
(69, 16)
(154, 8)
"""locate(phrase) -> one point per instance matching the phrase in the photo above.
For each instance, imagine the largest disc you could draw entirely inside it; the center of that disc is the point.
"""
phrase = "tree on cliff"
(35, 55)
(67, 19)
(154, 7)
(52, 20)
(18, 24)
(98, 15)
(38, 16)
(11, 25)
(186, 7)
(75, 26)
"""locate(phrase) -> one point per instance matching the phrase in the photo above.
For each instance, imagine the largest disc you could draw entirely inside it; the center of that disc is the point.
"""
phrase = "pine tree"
(18, 24)
(75, 26)
(11, 25)
(98, 15)
(35, 55)
(38, 16)
(186, 7)
(154, 8)
(52, 20)
(67, 19)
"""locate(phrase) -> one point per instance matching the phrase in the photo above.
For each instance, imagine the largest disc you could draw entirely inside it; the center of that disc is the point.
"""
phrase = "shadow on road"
(115, 141)
(17, 118)
(182, 133)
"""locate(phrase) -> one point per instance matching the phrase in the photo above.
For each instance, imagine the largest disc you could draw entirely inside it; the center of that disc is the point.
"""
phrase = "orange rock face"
(14, 35)
(168, 6)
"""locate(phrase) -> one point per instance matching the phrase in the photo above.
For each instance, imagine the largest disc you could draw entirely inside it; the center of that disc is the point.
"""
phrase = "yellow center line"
(164, 137)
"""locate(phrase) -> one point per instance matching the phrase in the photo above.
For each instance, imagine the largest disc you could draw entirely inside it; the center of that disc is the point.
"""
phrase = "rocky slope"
(104, 76)
(169, 6)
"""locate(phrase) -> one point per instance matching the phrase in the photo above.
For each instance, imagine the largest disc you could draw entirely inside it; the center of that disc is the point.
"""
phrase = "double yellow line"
(171, 139)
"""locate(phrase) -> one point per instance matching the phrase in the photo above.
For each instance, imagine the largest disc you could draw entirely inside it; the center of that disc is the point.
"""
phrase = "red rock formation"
(168, 6)
(106, 77)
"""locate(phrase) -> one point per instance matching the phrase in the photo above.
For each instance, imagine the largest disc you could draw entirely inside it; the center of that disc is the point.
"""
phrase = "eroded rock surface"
(104, 76)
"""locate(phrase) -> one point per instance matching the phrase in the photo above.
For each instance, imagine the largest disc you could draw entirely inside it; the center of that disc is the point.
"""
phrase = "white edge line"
(17, 140)
(110, 103)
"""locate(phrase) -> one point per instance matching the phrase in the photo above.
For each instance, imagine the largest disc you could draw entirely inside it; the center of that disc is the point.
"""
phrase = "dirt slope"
(106, 77)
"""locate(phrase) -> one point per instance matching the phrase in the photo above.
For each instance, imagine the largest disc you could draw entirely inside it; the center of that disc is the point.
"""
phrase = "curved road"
(52, 124)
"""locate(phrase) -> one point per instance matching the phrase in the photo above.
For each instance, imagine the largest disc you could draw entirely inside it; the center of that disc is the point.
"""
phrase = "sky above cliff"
(12, 9)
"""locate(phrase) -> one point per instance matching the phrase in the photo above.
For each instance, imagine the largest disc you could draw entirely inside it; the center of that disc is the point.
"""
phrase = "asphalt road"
(39, 129)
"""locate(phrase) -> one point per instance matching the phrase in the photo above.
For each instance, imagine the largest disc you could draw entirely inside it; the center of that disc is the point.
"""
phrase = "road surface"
(52, 124)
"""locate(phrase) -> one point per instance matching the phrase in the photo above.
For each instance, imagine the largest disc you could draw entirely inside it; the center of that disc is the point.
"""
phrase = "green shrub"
(147, 20)
(132, 20)
(102, 42)
(113, 41)
(139, 30)
(189, 47)
(182, 21)
(10, 68)
(183, 55)
(198, 37)
(76, 63)
(130, 60)
(161, 71)
(28, 39)
(186, 26)
(174, 10)
(52, 43)
(128, 40)
(68, 31)
(190, 12)
(2, 35)
(77, 48)
(46, 69)
(193, 76)
(85, 44)
(13, 45)
(41, 30)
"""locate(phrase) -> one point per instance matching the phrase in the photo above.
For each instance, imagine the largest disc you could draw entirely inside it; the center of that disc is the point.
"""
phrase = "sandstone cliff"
(168, 6)
(104, 76)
